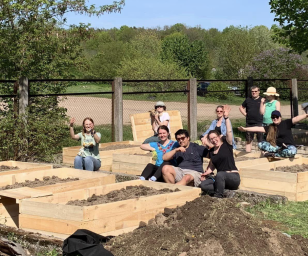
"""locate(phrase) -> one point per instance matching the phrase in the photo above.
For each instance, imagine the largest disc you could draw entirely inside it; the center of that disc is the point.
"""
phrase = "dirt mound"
(205, 226)
(47, 180)
(4, 168)
(293, 169)
(121, 194)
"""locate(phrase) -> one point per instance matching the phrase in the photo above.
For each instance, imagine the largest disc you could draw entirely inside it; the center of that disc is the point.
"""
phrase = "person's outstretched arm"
(72, 133)
(251, 129)
(299, 118)
(229, 135)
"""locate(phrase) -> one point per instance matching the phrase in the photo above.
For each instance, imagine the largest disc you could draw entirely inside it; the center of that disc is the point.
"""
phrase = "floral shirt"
(161, 150)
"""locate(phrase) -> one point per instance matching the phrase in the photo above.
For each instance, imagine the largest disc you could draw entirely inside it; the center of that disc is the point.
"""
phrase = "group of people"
(181, 161)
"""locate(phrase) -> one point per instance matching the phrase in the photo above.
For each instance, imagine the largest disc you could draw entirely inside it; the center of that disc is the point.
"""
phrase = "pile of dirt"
(206, 226)
(119, 146)
(130, 192)
(293, 169)
(244, 158)
(33, 243)
(4, 168)
(123, 177)
(47, 180)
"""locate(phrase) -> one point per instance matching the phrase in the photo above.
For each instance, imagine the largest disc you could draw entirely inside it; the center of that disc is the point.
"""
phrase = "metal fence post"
(294, 97)
(248, 86)
(192, 108)
(117, 110)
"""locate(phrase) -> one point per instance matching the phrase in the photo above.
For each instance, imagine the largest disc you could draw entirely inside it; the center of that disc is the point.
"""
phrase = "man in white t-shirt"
(161, 117)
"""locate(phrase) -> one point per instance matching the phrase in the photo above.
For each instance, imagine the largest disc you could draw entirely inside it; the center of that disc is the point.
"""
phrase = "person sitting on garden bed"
(154, 172)
(279, 140)
(219, 124)
(222, 160)
(189, 159)
(88, 157)
(158, 117)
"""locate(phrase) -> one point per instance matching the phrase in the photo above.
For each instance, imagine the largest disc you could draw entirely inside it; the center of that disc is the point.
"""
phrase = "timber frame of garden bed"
(261, 179)
(70, 153)
(23, 166)
(10, 199)
(51, 215)
(134, 164)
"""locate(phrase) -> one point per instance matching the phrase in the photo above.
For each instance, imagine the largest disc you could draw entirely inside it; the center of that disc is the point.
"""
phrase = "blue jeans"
(88, 163)
(290, 151)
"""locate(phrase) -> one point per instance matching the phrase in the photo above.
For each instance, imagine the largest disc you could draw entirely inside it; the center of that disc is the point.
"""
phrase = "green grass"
(293, 216)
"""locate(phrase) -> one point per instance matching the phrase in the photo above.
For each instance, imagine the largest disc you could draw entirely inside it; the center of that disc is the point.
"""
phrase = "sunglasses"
(254, 91)
(219, 111)
(275, 117)
(159, 106)
(180, 138)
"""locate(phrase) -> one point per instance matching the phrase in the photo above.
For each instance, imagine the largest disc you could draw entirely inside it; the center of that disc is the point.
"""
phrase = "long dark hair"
(272, 134)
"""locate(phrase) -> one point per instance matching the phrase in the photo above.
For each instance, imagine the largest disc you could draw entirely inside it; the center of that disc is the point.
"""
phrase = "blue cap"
(276, 113)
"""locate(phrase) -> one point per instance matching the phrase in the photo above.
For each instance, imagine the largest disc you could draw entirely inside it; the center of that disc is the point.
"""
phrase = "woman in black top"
(279, 140)
(222, 160)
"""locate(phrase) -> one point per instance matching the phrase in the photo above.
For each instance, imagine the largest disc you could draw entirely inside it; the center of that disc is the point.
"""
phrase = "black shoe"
(268, 154)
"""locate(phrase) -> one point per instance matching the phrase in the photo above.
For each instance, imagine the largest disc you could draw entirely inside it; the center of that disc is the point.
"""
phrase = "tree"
(277, 63)
(33, 42)
(190, 55)
(292, 16)
(238, 47)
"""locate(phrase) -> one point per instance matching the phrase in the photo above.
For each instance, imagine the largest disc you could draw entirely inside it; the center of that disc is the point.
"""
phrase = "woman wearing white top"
(161, 117)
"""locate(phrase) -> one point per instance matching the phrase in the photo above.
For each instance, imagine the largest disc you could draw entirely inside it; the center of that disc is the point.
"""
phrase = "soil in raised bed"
(130, 192)
(119, 146)
(293, 169)
(206, 226)
(244, 158)
(4, 168)
(47, 180)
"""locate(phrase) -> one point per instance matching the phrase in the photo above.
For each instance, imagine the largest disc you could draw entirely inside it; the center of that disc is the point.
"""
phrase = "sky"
(204, 13)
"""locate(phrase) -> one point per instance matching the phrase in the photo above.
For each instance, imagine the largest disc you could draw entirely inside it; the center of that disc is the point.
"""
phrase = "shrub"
(219, 90)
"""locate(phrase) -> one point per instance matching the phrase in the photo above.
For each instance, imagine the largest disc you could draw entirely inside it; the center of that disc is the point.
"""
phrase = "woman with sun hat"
(269, 104)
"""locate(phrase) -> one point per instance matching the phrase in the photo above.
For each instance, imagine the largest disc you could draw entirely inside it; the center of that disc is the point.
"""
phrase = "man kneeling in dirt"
(189, 158)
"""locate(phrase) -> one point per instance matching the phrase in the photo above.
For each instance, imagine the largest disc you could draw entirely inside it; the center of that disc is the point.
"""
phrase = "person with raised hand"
(88, 157)
(221, 159)
(269, 104)
(279, 140)
(158, 117)
(154, 172)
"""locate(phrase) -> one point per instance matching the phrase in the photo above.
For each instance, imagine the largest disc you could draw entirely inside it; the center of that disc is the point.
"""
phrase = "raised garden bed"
(70, 153)
(20, 167)
(264, 178)
(52, 215)
(130, 163)
(9, 201)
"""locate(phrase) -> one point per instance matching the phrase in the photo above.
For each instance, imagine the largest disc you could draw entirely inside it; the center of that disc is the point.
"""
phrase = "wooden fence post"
(294, 97)
(192, 108)
(23, 95)
(117, 110)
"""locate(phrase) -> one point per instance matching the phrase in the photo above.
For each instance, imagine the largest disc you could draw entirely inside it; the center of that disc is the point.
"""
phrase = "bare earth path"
(100, 109)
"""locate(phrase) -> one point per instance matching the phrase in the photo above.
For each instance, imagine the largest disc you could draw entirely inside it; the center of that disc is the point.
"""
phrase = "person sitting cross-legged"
(189, 159)
(279, 140)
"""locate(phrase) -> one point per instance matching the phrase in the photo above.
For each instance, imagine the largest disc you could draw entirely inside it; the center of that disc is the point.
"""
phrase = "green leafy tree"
(191, 56)
(238, 47)
(292, 16)
(33, 42)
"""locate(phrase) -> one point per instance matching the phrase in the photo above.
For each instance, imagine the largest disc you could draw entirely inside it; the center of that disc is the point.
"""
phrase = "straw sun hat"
(271, 91)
